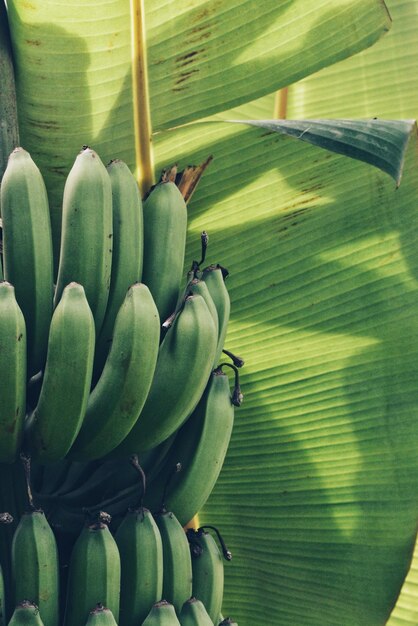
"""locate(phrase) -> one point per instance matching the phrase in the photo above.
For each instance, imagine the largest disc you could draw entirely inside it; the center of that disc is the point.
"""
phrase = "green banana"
(213, 276)
(13, 379)
(208, 570)
(26, 614)
(193, 613)
(200, 446)
(141, 554)
(161, 614)
(177, 563)
(35, 573)
(86, 236)
(101, 616)
(199, 287)
(56, 420)
(165, 225)
(127, 255)
(117, 400)
(27, 250)
(183, 368)
(94, 574)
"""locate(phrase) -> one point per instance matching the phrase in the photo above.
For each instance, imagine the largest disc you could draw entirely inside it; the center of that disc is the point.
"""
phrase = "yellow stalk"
(280, 104)
(141, 103)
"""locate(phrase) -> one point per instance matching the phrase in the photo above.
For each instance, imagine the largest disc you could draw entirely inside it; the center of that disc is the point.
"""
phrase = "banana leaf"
(9, 133)
(74, 67)
(313, 498)
(379, 82)
(318, 496)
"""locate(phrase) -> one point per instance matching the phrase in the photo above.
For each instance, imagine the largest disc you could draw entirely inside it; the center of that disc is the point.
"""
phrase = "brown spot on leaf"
(185, 76)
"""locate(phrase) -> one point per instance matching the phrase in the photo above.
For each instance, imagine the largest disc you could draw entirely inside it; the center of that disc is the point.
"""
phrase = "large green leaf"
(405, 612)
(74, 65)
(318, 499)
(377, 82)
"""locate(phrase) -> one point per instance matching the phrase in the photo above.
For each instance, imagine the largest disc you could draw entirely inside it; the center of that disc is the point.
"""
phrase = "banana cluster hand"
(123, 384)
(116, 358)
(150, 571)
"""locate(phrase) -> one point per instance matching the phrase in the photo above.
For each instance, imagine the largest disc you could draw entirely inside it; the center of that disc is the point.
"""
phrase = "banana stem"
(135, 463)
(26, 466)
(141, 100)
(237, 360)
(280, 104)
(237, 395)
(227, 553)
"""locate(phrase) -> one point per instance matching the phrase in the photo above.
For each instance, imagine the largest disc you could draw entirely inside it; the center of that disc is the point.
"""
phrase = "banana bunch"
(106, 357)
(100, 379)
(148, 571)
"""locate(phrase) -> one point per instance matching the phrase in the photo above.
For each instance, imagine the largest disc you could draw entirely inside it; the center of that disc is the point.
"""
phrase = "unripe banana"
(94, 575)
(86, 237)
(193, 613)
(117, 400)
(199, 287)
(101, 616)
(26, 614)
(13, 379)
(62, 403)
(141, 555)
(177, 564)
(35, 572)
(161, 614)
(127, 251)
(213, 276)
(165, 225)
(200, 446)
(208, 571)
(27, 250)
(183, 368)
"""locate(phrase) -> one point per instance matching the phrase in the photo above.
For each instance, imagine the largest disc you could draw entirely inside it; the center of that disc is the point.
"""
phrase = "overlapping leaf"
(377, 82)
(319, 494)
(74, 65)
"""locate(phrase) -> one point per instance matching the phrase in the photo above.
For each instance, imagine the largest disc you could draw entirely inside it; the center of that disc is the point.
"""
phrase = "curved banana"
(165, 225)
(200, 446)
(26, 614)
(86, 235)
(208, 571)
(13, 379)
(94, 575)
(127, 251)
(101, 616)
(193, 613)
(199, 287)
(183, 367)
(177, 563)
(117, 400)
(161, 614)
(141, 555)
(55, 422)
(27, 250)
(35, 572)
(213, 276)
